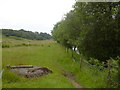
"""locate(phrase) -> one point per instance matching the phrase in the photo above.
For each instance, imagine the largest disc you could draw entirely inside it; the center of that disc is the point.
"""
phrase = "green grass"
(13, 41)
(35, 55)
(51, 55)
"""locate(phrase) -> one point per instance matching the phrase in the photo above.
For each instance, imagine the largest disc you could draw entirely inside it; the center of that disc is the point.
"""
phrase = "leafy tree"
(26, 34)
(93, 28)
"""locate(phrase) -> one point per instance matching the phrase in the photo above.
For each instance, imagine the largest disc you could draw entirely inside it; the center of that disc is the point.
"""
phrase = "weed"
(5, 46)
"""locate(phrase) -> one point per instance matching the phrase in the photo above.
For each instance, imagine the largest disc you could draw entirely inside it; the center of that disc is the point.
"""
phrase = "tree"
(93, 28)
(26, 34)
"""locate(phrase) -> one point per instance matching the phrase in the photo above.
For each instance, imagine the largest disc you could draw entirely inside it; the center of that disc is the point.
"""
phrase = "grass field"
(47, 54)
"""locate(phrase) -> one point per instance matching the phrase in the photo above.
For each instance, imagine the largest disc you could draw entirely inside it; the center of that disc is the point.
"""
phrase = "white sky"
(33, 15)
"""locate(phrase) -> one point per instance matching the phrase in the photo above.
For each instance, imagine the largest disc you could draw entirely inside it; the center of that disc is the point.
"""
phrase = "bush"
(5, 46)
(24, 44)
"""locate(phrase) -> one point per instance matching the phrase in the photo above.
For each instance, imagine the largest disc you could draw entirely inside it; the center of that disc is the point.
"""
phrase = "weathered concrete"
(29, 71)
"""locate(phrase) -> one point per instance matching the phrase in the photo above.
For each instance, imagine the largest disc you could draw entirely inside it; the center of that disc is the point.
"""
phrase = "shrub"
(5, 46)
(24, 44)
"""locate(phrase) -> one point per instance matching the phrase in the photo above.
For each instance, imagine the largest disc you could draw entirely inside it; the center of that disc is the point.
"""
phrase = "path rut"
(71, 78)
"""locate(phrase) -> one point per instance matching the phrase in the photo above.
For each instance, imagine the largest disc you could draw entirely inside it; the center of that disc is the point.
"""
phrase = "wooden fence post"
(72, 53)
(119, 74)
(1, 74)
(81, 62)
(66, 50)
(109, 63)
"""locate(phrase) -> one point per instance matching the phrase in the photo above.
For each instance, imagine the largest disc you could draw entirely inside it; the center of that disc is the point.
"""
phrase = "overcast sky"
(33, 15)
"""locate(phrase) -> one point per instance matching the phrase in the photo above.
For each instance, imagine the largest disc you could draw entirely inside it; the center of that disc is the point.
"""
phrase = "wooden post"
(80, 62)
(19, 66)
(66, 50)
(72, 53)
(119, 74)
(108, 76)
(1, 73)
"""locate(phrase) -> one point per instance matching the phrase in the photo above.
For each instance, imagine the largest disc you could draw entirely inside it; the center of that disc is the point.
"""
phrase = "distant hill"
(26, 34)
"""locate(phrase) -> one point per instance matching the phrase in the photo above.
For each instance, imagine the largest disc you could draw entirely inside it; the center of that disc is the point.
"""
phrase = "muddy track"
(71, 78)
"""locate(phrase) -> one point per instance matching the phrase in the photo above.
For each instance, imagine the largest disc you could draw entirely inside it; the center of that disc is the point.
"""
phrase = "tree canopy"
(26, 34)
(93, 27)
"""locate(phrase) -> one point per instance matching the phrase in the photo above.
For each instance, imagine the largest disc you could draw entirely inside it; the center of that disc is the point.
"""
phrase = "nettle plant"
(97, 63)
(94, 61)
(115, 64)
(113, 70)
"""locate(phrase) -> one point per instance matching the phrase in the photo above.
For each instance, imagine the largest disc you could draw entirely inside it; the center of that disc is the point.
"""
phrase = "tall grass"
(39, 56)
(86, 75)
(51, 55)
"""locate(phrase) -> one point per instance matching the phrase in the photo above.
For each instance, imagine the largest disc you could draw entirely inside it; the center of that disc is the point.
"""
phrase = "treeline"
(26, 34)
(92, 27)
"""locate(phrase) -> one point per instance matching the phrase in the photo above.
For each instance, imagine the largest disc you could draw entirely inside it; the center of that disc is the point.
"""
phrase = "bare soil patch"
(71, 78)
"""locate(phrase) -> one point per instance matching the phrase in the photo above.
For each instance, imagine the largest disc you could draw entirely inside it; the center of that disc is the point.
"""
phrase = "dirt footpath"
(71, 78)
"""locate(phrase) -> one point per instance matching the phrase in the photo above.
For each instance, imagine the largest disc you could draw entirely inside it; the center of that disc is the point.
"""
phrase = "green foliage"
(24, 44)
(92, 27)
(114, 72)
(112, 67)
(94, 61)
(26, 34)
(5, 46)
